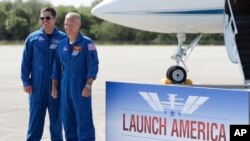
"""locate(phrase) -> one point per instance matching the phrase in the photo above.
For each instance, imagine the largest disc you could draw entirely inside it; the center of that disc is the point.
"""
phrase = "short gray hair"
(74, 14)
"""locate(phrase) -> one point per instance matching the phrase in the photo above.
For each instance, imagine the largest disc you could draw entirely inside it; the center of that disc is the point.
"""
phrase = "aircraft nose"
(100, 9)
(96, 10)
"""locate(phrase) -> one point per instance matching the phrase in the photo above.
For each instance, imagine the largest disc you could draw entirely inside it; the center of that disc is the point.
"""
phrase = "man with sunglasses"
(36, 69)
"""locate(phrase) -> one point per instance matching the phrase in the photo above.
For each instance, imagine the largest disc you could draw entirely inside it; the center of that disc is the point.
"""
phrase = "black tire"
(177, 74)
(169, 70)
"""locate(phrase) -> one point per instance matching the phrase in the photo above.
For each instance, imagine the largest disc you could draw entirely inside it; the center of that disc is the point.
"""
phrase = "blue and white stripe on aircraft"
(184, 12)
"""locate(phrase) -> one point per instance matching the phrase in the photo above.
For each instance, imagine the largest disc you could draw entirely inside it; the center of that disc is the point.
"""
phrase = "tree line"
(19, 18)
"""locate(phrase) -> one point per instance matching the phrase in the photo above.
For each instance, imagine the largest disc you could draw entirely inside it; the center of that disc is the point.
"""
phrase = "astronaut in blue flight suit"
(76, 62)
(36, 69)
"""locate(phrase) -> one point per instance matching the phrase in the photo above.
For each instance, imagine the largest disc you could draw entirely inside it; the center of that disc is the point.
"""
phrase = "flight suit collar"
(76, 47)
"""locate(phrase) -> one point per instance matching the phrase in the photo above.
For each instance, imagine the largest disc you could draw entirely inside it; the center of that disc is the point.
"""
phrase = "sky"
(75, 3)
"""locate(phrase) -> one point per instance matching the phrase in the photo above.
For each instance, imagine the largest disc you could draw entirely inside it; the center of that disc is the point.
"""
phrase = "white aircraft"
(231, 17)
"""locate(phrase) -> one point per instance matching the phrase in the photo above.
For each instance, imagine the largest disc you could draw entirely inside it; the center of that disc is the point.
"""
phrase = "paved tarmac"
(208, 66)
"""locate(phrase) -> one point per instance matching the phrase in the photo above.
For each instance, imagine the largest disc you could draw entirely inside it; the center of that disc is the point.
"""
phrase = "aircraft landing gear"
(177, 74)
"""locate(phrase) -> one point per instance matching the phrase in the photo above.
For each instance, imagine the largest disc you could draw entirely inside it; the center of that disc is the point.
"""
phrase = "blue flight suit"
(76, 63)
(36, 70)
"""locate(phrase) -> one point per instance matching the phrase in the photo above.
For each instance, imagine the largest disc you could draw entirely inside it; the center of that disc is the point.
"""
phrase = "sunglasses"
(46, 18)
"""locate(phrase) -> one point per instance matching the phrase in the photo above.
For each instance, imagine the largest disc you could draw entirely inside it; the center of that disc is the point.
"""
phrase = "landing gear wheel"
(176, 74)
(168, 71)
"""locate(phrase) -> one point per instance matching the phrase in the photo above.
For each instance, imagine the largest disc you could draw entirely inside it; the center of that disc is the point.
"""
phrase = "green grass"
(8, 42)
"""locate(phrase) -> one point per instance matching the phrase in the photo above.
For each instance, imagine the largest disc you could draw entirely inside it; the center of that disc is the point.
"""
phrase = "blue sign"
(143, 112)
